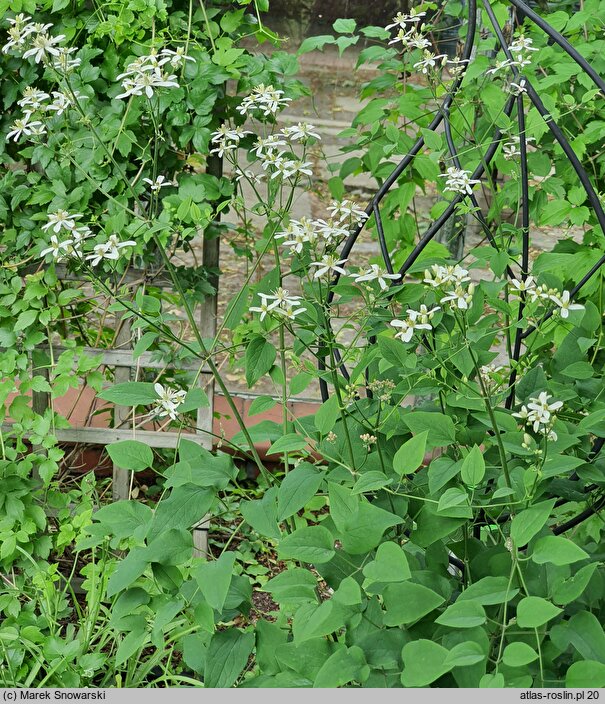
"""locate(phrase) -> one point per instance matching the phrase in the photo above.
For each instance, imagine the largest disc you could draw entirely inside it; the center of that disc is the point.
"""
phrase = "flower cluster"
(347, 211)
(407, 30)
(458, 291)
(540, 415)
(312, 232)
(32, 39)
(541, 293)
(416, 320)
(376, 273)
(169, 401)
(280, 303)
(458, 181)
(520, 50)
(266, 99)
(68, 240)
(147, 73)
(511, 149)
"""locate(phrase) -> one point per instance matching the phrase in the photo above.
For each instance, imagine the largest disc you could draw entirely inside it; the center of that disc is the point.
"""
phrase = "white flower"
(540, 414)
(282, 304)
(160, 182)
(522, 44)
(347, 210)
(289, 312)
(263, 309)
(565, 304)
(175, 58)
(267, 99)
(301, 131)
(429, 62)
(459, 298)
(439, 275)
(273, 160)
(61, 102)
(144, 75)
(406, 329)
(169, 401)
(248, 175)
(376, 273)
(329, 264)
(63, 62)
(458, 181)
(43, 45)
(424, 314)
(224, 147)
(402, 20)
(108, 250)
(456, 65)
(61, 219)
(24, 127)
(57, 249)
(501, 66)
(518, 88)
(33, 99)
(524, 286)
(265, 146)
(330, 231)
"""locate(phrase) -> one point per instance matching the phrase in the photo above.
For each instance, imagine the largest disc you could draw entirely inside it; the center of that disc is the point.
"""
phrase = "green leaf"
(294, 586)
(586, 673)
(529, 522)
(172, 547)
(454, 502)
(389, 565)
(407, 602)
(518, 654)
(370, 481)
(130, 644)
(343, 666)
(441, 431)
(261, 404)
(312, 43)
(344, 26)
(432, 527)
(557, 550)
(464, 655)
(365, 527)
(586, 635)
(195, 398)
(261, 514)
(214, 579)
(570, 589)
(298, 487)
(533, 611)
(327, 414)
(25, 319)
(410, 455)
(260, 355)
(555, 212)
(489, 591)
(122, 518)
(288, 443)
(312, 544)
(462, 614)
(423, 661)
(128, 570)
(473, 467)
(186, 506)
(131, 454)
(130, 393)
(227, 656)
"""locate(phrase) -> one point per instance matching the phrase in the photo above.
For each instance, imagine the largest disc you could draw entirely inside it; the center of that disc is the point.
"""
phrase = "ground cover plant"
(436, 521)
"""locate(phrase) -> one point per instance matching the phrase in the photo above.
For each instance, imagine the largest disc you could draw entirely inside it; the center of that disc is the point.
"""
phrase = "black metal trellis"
(443, 116)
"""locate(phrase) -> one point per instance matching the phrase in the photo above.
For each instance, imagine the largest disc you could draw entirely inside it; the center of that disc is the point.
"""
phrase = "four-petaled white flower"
(347, 210)
(540, 414)
(61, 219)
(160, 182)
(300, 132)
(439, 275)
(267, 99)
(169, 401)
(430, 61)
(329, 264)
(405, 330)
(43, 45)
(108, 250)
(459, 297)
(564, 304)
(57, 248)
(376, 273)
(25, 126)
(458, 181)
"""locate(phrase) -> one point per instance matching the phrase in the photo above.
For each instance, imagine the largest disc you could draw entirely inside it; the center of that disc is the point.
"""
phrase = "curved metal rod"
(477, 173)
(525, 245)
(399, 169)
(561, 41)
(565, 146)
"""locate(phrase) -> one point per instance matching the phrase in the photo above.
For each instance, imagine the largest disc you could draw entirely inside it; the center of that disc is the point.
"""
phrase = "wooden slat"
(124, 358)
(105, 436)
